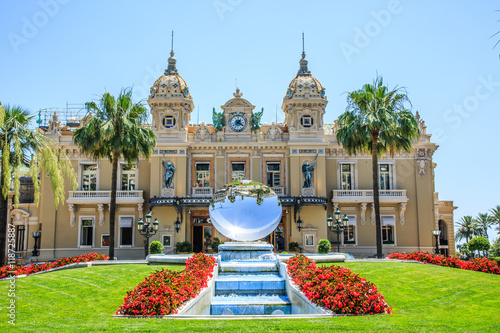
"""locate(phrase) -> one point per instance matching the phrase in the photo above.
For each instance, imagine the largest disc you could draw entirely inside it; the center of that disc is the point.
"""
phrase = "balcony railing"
(105, 197)
(202, 191)
(280, 191)
(367, 195)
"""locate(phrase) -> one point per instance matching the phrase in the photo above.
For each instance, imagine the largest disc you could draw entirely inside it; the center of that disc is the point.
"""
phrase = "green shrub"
(293, 246)
(479, 244)
(155, 247)
(215, 244)
(324, 246)
(184, 246)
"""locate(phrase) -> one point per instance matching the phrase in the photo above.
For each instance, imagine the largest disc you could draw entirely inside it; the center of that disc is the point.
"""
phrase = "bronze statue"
(255, 124)
(307, 171)
(169, 173)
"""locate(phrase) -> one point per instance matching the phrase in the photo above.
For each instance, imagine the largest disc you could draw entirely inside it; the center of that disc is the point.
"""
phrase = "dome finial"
(171, 61)
(303, 62)
(238, 93)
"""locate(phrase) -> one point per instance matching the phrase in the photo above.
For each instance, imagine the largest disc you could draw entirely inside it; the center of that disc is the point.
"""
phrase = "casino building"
(237, 147)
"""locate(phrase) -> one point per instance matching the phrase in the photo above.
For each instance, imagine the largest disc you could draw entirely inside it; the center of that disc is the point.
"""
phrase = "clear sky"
(54, 52)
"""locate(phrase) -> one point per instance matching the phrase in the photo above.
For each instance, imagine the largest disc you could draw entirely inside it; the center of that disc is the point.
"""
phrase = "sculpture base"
(308, 192)
(167, 192)
(251, 251)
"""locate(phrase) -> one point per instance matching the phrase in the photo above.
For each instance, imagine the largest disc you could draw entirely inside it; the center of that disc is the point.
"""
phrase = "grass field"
(424, 298)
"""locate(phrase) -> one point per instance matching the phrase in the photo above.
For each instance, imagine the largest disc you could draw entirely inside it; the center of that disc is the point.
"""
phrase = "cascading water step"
(234, 266)
(263, 283)
(249, 304)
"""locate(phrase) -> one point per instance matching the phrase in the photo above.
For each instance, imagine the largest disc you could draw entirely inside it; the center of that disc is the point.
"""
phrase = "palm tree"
(113, 132)
(377, 121)
(23, 146)
(483, 222)
(495, 215)
(467, 229)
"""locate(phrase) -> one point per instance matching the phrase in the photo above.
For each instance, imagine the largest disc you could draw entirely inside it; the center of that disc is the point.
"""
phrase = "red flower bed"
(479, 264)
(8, 270)
(336, 288)
(164, 291)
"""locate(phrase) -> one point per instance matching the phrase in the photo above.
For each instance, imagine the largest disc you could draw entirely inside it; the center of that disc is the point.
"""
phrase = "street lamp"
(36, 236)
(177, 224)
(436, 234)
(339, 225)
(147, 230)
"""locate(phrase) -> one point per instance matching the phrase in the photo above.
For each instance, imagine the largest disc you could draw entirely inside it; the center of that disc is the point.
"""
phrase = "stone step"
(249, 305)
(261, 283)
(248, 266)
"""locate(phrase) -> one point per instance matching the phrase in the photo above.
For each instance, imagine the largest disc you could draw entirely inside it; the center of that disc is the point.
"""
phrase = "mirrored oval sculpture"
(245, 210)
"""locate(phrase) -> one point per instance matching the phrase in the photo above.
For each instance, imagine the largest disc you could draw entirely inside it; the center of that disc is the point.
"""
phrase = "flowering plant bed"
(8, 270)
(336, 288)
(163, 292)
(479, 264)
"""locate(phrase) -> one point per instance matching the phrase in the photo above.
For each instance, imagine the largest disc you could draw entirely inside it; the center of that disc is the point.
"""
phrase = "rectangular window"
(126, 230)
(87, 232)
(104, 240)
(346, 176)
(89, 177)
(128, 177)
(273, 174)
(166, 240)
(385, 177)
(20, 230)
(309, 240)
(388, 224)
(238, 171)
(350, 231)
(27, 190)
(202, 174)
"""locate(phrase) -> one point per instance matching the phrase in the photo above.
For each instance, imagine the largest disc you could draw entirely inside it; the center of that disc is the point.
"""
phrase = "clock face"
(237, 122)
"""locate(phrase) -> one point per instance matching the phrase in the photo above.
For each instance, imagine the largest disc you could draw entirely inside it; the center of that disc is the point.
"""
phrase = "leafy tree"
(495, 215)
(113, 132)
(467, 229)
(483, 222)
(479, 244)
(495, 248)
(23, 146)
(377, 121)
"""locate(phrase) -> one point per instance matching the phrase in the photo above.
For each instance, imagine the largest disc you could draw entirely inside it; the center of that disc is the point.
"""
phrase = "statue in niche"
(169, 174)
(307, 171)
(255, 124)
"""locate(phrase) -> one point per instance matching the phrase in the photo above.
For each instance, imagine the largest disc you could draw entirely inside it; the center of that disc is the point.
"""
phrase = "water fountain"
(249, 282)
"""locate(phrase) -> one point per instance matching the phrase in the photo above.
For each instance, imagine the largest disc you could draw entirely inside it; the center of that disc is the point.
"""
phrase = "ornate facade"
(237, 146)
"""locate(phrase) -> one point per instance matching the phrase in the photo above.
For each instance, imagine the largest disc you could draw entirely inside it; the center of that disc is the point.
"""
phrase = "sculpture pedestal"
(167, 192)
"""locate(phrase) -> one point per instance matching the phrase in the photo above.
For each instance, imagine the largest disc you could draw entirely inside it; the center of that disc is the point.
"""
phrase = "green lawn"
(424, 298)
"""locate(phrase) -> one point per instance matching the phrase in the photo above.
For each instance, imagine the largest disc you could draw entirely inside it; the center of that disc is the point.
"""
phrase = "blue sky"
(54, 52)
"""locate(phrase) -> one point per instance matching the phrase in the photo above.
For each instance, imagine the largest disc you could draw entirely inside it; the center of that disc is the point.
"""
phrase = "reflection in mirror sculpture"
(245, 210)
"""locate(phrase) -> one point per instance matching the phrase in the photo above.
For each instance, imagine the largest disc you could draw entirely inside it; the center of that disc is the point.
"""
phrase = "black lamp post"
(147, 230)
(299, 223)
(338, 227)
(436, 234)
(36, 236)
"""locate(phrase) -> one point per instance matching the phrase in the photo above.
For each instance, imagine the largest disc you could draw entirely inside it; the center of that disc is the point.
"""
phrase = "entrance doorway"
(277, 237)
(202, 234)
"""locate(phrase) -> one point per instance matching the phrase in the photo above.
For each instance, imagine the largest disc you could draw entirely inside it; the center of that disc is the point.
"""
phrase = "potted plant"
(183, 247)
(215, 244)
(324, 246)
(293, 247)
(155, 248)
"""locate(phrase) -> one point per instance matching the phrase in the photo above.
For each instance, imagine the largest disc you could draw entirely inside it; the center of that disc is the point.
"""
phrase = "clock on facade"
(237, 122)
